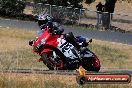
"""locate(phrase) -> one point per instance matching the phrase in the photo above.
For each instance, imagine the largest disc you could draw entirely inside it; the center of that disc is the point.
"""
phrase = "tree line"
(10, 7)
(109, 4)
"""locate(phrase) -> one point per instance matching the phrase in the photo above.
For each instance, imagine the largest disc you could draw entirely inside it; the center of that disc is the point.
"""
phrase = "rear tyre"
(91, 64)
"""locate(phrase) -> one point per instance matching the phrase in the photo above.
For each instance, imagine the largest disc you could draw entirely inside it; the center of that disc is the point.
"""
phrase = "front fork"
(52, 60)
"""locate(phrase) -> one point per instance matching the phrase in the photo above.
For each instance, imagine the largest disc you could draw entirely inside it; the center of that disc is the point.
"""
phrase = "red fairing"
(49, 40)
(97, 62)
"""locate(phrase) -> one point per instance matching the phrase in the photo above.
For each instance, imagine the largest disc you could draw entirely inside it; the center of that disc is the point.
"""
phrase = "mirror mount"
(90, 40)
(30, 42)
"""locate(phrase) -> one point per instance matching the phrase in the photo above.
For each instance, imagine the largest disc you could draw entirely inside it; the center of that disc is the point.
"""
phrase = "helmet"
(43, 19)
(58, 27)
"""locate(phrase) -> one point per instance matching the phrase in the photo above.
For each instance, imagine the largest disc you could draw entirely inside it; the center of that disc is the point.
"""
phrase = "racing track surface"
(125, 38)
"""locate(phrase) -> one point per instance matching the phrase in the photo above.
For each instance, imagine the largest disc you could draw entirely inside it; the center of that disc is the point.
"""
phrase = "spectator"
(107, 16)
(99, 8)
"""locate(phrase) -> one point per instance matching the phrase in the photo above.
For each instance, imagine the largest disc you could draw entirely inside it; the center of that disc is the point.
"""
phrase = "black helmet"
(43, 19)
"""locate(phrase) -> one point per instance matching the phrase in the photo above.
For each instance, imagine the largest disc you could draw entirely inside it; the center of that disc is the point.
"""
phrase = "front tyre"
(46, 61)
(53, 62)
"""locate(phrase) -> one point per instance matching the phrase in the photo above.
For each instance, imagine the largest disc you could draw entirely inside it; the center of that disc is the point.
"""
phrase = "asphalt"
(125, 38)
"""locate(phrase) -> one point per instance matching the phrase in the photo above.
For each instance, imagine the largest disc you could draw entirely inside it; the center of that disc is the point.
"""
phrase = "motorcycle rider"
(47, 21)
(44, 21)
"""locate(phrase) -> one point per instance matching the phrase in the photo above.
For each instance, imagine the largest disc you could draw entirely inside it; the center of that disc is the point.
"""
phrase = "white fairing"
(54, 54)
(67, 48)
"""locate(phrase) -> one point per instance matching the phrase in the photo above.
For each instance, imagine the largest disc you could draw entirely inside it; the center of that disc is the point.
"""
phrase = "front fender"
(45, 51)
(48, 48)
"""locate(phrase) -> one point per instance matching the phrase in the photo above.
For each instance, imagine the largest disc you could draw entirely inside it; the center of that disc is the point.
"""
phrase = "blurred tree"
(12, 6)
(73, 3)
(110, 5)
(76, 3)
(89, 1)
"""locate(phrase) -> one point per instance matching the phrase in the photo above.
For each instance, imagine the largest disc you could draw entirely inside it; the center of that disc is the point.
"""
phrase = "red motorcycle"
(59, 54)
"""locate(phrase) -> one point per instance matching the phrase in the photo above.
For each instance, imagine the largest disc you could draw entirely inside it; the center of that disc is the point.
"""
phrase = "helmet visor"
(42, 22)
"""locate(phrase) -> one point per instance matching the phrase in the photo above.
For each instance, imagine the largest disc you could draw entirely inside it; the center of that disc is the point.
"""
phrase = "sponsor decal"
(102, 78)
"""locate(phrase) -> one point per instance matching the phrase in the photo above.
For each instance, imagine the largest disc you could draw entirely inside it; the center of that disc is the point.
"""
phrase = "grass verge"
(16, 53)
(48, 81)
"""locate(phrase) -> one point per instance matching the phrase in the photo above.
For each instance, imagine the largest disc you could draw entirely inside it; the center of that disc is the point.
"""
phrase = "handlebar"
(90, 41)
(87, 43)
(55, 32)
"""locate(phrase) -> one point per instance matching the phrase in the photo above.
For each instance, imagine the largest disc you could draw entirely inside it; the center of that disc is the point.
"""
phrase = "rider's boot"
(72, 64)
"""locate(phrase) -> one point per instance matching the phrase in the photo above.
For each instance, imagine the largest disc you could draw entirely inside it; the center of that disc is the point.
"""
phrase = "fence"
(69, 15)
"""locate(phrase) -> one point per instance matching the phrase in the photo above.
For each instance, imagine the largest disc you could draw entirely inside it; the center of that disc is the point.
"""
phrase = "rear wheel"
(91, 64)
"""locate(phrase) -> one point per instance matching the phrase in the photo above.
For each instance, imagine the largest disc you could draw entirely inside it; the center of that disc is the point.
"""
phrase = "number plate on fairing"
(67, 48)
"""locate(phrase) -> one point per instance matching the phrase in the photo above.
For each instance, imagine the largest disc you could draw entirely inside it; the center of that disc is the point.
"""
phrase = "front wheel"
(51, 62)
(45, 60)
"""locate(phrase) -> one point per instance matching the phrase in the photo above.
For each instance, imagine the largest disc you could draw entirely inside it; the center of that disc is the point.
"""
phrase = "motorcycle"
(59, 54)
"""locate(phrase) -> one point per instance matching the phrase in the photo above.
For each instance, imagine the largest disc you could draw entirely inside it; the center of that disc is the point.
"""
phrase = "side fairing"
(67, 48)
